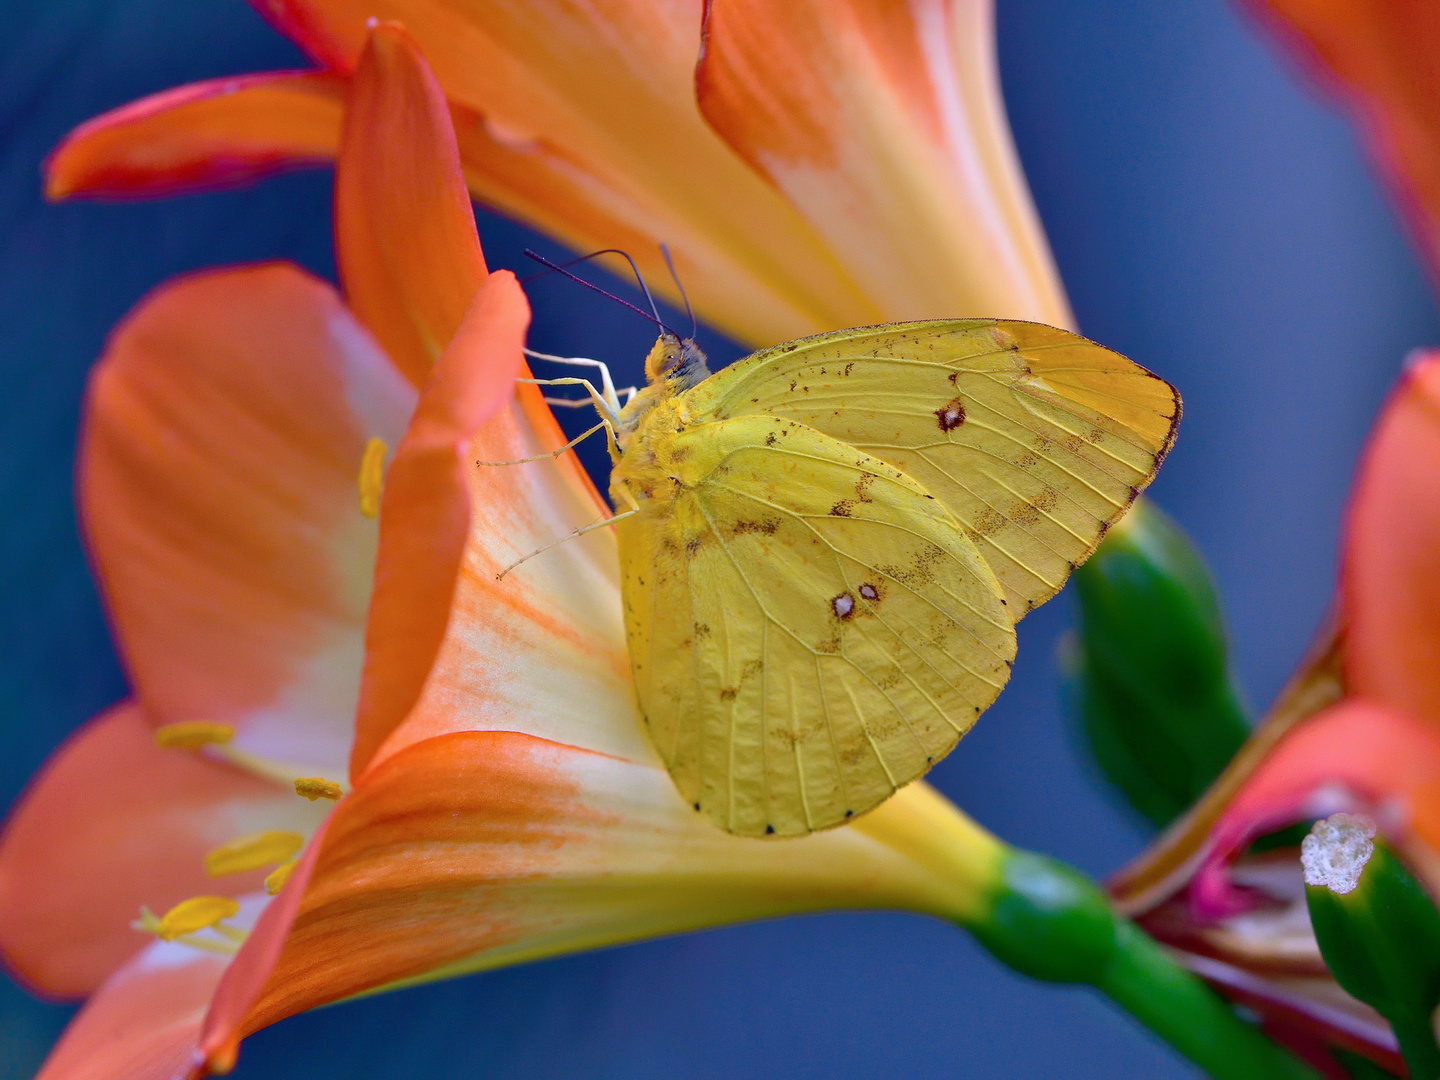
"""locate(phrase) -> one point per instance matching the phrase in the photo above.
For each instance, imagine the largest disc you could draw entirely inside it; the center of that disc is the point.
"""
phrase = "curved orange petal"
(1390, 570)
(426, 515)
(207, 134)
(882, 121)
(450, 647)
(479, 849)
(1379, 55)
(607, 88)
(222, 441)
(113, 822)
(405, 239)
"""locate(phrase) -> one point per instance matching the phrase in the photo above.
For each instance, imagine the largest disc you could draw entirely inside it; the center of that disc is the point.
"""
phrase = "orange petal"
(144, 1023)
(1390, 571)
(111, 823)
(475, 850)
(1379, 55)
(223, 437)
(207, 134)
(428, 509)
(882, 121)
(1357, 754)
(405, 237)
(601, 95)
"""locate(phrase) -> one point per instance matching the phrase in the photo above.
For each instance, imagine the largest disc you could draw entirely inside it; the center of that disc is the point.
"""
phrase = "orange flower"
(1378, 56)
(1358, 729)
(498, 800)
(830, 163)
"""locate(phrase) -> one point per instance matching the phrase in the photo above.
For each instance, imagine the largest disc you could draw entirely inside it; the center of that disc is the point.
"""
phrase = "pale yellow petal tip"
(193, 734)
(253, 851)
(317, 787)
(189, 916)
(372, 477)
(279, 876)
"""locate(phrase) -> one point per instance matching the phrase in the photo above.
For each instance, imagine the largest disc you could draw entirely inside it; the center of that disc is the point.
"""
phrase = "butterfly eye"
(843, 605)
(869, 592)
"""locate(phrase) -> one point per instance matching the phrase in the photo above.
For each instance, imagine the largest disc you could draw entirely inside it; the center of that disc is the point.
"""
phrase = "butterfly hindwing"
(809, 628)
(1034, 438)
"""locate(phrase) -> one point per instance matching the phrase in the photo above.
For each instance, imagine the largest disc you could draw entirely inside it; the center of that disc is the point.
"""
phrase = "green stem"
(1417, 1047)
(1048, 921)
(1187, 1014)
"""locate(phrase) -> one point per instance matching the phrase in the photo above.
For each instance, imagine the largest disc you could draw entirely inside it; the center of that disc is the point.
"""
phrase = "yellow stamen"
(189, 916)
(252, 852)
(317, 787)
(372, 476)
(279, 876)
(193, 734)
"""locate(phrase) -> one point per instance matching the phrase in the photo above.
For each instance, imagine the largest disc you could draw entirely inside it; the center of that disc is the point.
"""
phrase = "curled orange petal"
(1390, 568)
(207, 134)
(405, 239)
(882, 121)
(426, 513)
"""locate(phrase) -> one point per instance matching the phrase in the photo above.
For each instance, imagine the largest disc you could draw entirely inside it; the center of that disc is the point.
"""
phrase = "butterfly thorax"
(672, 367)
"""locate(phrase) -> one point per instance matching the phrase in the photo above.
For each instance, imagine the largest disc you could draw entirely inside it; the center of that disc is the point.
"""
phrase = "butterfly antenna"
(559, 268)
(670, 265)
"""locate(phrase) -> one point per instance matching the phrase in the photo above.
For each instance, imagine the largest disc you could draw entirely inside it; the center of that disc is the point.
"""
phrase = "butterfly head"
(673, 360)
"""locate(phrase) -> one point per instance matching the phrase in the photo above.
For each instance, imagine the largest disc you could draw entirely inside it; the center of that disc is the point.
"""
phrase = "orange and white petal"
(1390, 569)
(114, 822)
(1379, 57)
(450, 648)
(882, 121)
(606, 90)
(405, 240)
(480, 849)
(145, 1022)
(223, 437)
(204, 135)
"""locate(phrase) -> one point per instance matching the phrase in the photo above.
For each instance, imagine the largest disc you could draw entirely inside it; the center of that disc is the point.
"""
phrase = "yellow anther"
(317, 787)
(193, 734)
(372, 477)
(252, 852)
(189, 916)
(279, 876)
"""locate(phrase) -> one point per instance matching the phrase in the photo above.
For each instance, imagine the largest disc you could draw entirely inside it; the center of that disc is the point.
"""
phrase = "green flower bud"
(1149, 669)
(1378, 931)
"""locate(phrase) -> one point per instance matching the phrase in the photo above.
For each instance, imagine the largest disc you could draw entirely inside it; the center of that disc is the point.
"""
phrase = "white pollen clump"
(1337, 851)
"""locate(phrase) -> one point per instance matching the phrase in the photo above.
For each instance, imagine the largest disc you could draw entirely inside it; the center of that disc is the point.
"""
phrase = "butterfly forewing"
(809, 628)
(1035, 439)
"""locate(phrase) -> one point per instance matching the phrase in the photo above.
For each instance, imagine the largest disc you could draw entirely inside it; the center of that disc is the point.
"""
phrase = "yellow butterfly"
(825, 547)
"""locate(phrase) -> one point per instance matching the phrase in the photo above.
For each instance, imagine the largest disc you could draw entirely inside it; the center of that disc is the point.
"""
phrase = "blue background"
(1211, 219)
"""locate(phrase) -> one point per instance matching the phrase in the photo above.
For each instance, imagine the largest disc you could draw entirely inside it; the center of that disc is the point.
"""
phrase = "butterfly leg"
(556, 543)
(607, 391)
(553, 453)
